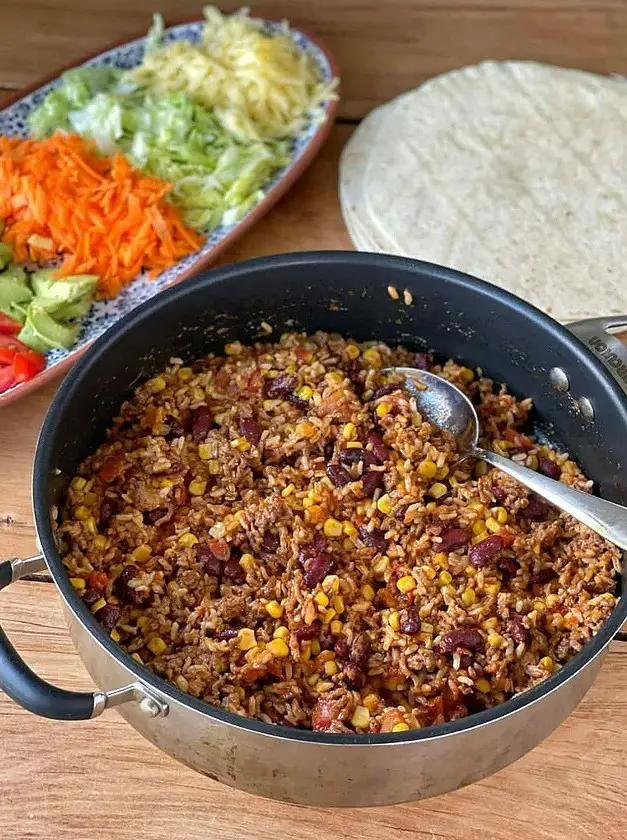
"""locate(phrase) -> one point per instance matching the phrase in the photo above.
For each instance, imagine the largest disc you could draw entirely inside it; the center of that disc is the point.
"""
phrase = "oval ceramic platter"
(104, 313)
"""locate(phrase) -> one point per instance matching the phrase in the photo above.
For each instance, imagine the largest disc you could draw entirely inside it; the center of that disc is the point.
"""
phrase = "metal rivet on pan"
(585, 406)
(558, 379)
(149, 707)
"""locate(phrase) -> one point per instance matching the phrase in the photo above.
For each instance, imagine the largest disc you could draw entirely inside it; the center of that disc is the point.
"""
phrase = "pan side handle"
(607, 347)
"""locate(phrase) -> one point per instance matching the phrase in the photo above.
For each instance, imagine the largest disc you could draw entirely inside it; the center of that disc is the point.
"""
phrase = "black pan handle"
(611, 351)
(23, 685)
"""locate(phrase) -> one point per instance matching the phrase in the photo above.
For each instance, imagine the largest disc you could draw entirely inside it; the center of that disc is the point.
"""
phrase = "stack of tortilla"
(514, 172)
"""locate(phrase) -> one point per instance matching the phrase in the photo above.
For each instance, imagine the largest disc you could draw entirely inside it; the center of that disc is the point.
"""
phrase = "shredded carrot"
(58, 198)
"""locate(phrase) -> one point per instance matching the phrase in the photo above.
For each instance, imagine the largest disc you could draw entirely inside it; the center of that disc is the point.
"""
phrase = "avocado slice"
(43, 333)
(70, 311)
(16, 274)
(6, 255)
(53, 295)
(12, 294)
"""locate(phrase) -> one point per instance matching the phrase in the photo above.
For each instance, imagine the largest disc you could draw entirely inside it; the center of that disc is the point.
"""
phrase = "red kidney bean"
(177, 429)
(108, 616)
(322, 715)
(517, 630)
(270, 544)
(151, 517)
(508, 566)
(125, 592)
(370, 482)
(373, 539)
(463, 638)
(499, 493)
(411, 623)
(549, 468)
(481, 554)
(384, 390)
(306, 632)
(453, 538)
(465, 660)
(342, 649)
(282, 386)
(369, 459)
(354, 676)
(201, 421)
(90, 596)
(423, 361)
(316, 569)
(360, 649)
(228, 634)
(210, 563)
(543, 576)
(251, 431)
(348, 457)
(233, 571)
(536, 508)
(295, 400)
(338, 475)
(107, 509)
(379, 449)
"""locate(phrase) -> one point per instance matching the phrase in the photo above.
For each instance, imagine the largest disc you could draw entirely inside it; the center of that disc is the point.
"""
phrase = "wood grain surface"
(383, 47)
(100, 779)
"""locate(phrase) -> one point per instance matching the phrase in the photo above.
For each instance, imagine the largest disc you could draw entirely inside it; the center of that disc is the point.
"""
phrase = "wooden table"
(100, 779)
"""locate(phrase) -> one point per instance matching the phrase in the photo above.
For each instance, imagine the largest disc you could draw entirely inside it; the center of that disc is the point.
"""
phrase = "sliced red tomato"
(7, 378)
(27, 365)
(9, 326)
(7, 355)
(12, 343)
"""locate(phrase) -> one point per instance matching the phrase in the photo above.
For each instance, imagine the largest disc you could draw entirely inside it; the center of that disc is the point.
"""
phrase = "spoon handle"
(606, 518)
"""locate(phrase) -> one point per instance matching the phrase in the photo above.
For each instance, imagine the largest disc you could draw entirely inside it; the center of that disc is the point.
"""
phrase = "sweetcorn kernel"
(400, 727)
(100, 541)
(156, 645)
(185, 374)
(371, 701)
(157, 384)
(394, 620)
(240, 443)
(315, 514)
(287, 491)
(233, 349)
(332, 528)
(77, 583)
(315, 646)
(479, 527)
(468, 597)
(384, 504)
(328, 615)
(440, 559)
(278, 648)
(383, 408)
(330, 668)
(482, 685)
(246, 639)
(489, 623)
(429, 572)
(495, 640)
(331, 583)
(381, 566)
(481, 468)
(305, 392)
(445, 578)
(352, 351)
(368, 592)
(372, 357)
(197, 486)
(492, 525)
(82, 513)
(349, 529)
(321, 599)
(338, 604)
(361, 717)
(115, 635)
(100, 603)
(442, 472)
(427, 469)
(281, 633)
(406, 584)
(305, 430)
(349, 431)
(500, 514)
(188, 539)
(438, 490)
(336, 626)
(493, 588)
(78, 482)
(142, 553)
(204, 451)
(466, 375)
(247, 562)
(274, 609)
(547, 663)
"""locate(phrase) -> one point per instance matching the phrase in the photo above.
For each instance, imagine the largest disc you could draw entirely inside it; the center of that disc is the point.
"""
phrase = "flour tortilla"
(512, 171)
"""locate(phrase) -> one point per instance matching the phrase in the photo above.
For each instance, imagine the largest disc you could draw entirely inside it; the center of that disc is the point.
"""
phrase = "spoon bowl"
(447, 407)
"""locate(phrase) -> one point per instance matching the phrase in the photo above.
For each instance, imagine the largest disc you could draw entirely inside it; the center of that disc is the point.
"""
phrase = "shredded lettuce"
(216, 178)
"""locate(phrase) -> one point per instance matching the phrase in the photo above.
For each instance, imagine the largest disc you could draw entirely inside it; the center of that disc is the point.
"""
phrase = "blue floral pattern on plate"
(104, 313)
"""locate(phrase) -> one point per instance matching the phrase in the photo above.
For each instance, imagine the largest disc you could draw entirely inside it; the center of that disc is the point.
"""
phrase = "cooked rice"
(221, 550)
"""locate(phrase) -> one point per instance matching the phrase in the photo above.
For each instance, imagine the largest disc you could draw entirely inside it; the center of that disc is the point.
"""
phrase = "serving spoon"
(448, 408)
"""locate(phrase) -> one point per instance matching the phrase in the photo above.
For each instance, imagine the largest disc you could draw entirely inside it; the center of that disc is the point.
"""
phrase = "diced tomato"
(111, 468)
(97, 581)
(12, 343)
(27, 365)
(7, 378)
(7, 356)
(507, 537)
(9, 326)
